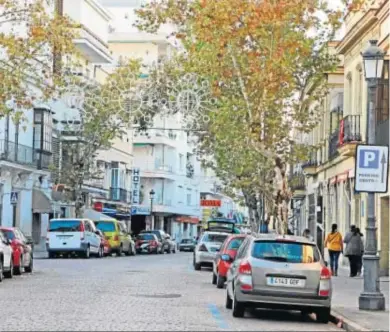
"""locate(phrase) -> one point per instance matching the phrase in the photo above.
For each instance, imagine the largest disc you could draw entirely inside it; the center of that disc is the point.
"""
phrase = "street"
(127, 294)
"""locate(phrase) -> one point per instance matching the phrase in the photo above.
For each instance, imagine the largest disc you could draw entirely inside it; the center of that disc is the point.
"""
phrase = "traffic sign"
(372, 168)
(140, 211)
(14, 197)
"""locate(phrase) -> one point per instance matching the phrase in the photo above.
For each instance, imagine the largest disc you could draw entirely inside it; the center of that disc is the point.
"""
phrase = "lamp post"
(151, 196)
(371, 298)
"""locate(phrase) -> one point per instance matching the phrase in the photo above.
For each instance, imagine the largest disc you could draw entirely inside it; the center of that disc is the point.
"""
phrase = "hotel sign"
(135, 186)
(210, 203)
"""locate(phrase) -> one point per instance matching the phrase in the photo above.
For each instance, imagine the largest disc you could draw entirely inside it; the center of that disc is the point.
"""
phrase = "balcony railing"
(297, 182)
(119, 194)
(312, 160)
(350, 129)
(17, 153)
(334, 143)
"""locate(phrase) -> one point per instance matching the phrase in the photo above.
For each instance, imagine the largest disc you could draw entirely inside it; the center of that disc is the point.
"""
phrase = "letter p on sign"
(369, 159)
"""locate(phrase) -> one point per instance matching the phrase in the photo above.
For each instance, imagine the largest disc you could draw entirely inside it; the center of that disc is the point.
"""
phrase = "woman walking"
(360, 261)
(334, 243)
(353, 250)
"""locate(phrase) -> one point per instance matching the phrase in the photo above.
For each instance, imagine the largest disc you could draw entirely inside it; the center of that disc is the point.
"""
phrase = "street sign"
(14, 197)
(140, 211)
(372, 168)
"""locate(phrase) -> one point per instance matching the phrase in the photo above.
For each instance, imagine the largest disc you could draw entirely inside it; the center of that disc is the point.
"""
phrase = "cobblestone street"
(129, 293)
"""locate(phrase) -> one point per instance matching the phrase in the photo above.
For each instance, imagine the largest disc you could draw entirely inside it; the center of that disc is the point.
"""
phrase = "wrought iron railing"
(17, 153)
(312, 160)
(297, 182)
(334, 143)
(351, 129)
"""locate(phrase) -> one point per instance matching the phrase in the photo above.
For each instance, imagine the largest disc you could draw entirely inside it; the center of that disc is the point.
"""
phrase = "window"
(64, 226)
(42, 137)
(105, 226)
(188, 199)
(115, 178)
(242, 250)
(218, 238)
(235, 243)
(383, 105)
(10, 235)
(88, 227)
(286, 252)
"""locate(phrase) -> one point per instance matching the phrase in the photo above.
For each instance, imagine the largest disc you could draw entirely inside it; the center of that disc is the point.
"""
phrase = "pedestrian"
(360, 265)
(306, 234)
(334, 243)
(353, 250)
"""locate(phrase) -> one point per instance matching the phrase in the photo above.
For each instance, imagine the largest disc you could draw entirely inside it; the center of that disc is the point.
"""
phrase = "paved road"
(152, 293)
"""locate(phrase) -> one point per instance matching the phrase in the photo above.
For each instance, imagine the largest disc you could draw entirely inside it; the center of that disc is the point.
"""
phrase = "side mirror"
(97, 232)
(226, 258)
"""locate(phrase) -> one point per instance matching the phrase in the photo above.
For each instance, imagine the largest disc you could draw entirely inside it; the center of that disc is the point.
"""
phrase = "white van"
(73, 236)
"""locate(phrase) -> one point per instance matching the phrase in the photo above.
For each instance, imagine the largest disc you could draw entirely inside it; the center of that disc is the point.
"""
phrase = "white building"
(164, 157)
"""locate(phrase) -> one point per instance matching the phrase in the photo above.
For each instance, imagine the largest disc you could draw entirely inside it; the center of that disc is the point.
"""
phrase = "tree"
(31, 35)
(103, 116)
(260, 61)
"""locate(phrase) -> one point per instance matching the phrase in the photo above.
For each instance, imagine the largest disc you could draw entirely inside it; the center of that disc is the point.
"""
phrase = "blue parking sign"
(369, 158)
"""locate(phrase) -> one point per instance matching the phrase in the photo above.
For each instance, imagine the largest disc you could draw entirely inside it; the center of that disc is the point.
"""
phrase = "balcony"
(297, 183)
(23, 155)
(155, 136)
(155, 169)
(350, 135)
(119, 195)
(310, 165)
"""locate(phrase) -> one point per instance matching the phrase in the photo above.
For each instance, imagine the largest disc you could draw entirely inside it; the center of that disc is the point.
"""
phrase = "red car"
(106, 244)
(22, 256)
(226, 255)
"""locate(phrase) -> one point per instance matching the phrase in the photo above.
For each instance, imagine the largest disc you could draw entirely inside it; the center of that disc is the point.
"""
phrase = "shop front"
(114, 210)
(185, 227)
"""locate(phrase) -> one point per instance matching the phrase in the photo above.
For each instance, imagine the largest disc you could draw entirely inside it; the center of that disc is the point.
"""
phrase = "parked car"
(104, 243)
(224, 257)
(148, 243)
(207, 248)
(72, 236)
(187, 245)
(172, 244)
(162, 237)
(281, 272)
(22, 249)
(6, 261)
(116, 233)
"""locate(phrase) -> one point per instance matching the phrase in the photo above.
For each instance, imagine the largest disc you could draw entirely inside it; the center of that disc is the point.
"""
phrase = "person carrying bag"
(334, 243)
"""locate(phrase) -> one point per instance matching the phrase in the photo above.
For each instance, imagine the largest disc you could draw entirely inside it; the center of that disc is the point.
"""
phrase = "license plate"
(285, 282)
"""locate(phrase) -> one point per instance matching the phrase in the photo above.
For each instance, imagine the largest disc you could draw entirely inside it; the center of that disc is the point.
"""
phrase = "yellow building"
(330, 196)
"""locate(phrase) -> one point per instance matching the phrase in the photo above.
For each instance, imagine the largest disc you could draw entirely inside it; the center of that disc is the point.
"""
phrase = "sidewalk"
(40, 250)
(345, 304)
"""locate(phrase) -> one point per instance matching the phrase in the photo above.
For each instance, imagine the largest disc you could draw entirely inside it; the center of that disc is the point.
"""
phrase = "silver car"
(280, 272)
(207, 248)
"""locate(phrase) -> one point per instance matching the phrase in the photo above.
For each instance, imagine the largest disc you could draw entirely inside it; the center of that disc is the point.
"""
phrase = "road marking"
(218, 317)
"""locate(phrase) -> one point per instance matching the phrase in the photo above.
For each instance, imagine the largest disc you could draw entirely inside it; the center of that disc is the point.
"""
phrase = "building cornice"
(357, 30)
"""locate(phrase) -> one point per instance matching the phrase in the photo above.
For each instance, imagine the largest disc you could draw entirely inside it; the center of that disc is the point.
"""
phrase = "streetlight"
(371, 298)
(151, 196)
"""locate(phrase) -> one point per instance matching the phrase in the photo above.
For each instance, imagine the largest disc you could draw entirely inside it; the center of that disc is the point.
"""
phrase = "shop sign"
(135, 186)
(210, 203)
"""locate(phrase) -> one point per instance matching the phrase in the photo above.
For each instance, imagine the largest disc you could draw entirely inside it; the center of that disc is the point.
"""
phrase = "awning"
(40, 202)
(96, 216)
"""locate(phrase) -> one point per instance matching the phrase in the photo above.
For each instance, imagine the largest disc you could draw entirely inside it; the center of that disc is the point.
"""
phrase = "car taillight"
(116, 238)
(245, 268)
(153, 243)
(245, 276)
(82, 230)
(203, 248)
(325, 277)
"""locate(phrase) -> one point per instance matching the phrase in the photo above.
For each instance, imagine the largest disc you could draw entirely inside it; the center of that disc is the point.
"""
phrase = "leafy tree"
(260, 60)
(32, 34)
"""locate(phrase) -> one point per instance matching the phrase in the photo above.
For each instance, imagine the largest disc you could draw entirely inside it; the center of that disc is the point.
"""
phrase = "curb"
(346, 324)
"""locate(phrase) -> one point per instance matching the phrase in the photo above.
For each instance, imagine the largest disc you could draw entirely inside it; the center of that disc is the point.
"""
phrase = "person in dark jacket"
(353, 250)
(360, 264)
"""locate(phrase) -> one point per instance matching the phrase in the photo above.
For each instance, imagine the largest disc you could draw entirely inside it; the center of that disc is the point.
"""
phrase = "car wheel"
(238, 308)
(229, 301)
(120, 251)
(197, 266)
(323, 315)
(214, 279)
(220, 281)
(9, 274)
(1, 270)
(128, 252)
(30, 266)
(18, 270)
(52, 255)
(101, 252)
(87, 253)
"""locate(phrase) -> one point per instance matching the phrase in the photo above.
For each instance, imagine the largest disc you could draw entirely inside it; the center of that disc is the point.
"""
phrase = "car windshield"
(64, 226)
(288, 252)
(235, 243)
(218, 238)
(186, 241)
(10, 235)
(105, 226)
(145, 237)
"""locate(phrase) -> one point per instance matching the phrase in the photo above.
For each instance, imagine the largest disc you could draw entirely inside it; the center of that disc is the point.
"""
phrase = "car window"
(218, 238)
(288, 252)
(235, 243)
(10, 235)
(87, 226)
(2, 237)
(148, 237)
(21, 235)
(105, 226)
(186, 241)
(242, 250)
(64, 226)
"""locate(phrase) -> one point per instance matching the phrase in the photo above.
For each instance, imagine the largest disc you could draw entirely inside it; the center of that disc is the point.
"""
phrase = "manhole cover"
(159, 296)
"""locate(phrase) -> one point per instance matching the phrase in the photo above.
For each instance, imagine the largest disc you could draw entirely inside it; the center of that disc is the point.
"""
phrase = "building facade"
(327, 195)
